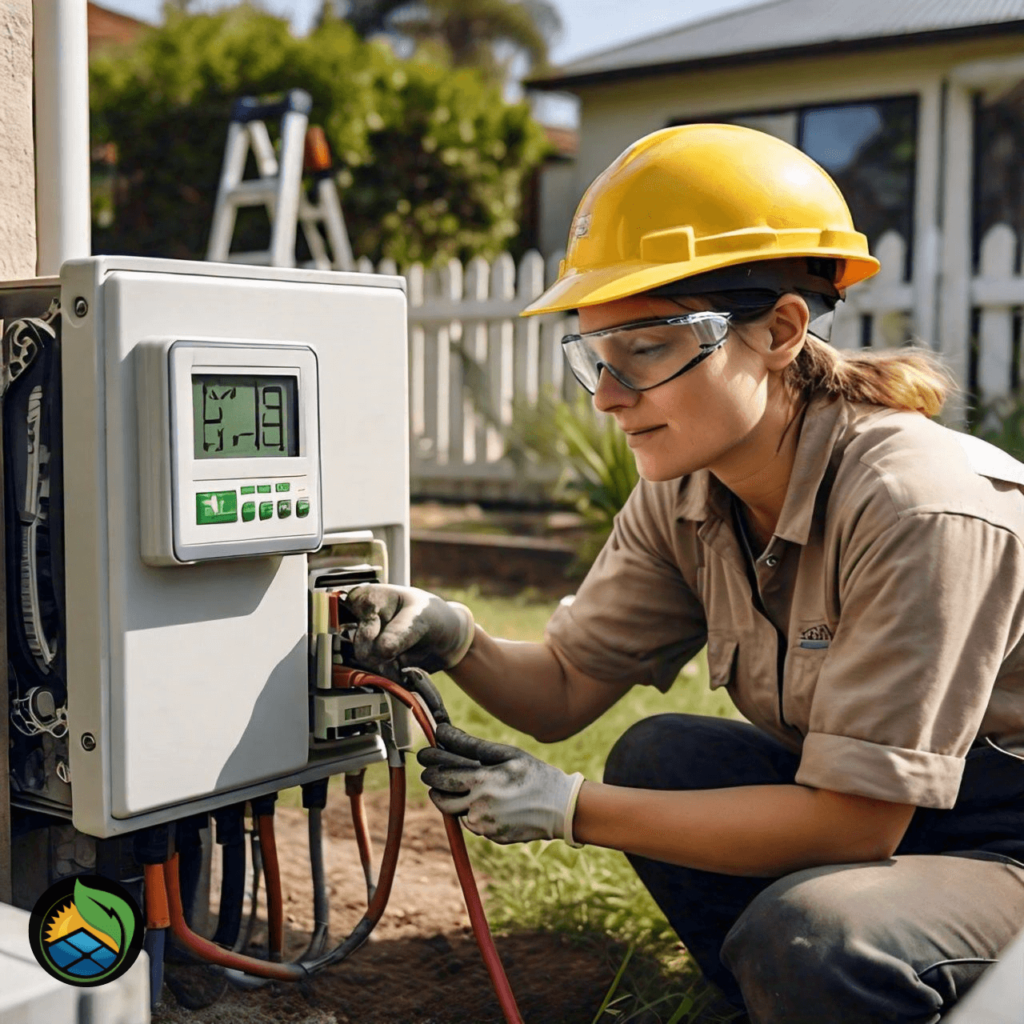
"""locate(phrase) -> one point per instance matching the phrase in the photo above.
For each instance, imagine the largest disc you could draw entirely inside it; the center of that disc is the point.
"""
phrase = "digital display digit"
(245, 416)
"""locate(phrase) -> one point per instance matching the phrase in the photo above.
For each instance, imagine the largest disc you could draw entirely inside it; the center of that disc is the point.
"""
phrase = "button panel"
(213, 507)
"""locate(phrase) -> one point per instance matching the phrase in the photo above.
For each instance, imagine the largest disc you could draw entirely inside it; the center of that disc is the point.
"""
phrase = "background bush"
(432, 160)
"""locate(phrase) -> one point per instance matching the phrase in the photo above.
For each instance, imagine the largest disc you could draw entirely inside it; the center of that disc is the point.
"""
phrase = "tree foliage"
(471, 32)
(432, 161)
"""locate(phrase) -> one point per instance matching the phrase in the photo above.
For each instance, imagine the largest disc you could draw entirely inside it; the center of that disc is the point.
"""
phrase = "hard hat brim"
(578, 288)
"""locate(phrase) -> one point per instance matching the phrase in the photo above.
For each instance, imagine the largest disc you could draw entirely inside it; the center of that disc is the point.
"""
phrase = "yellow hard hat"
(684, 201)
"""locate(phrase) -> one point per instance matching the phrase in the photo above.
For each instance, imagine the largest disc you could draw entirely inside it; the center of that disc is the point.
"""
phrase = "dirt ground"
(421, 965)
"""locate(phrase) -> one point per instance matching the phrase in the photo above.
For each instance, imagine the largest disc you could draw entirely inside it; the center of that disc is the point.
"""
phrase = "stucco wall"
(17, 163)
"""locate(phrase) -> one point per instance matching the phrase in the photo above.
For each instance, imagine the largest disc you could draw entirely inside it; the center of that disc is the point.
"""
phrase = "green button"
(249, 511)
(263, 488)
(216, 507)
(302, 508)
(283, 487)
(284, 509)
(266, 510)
(249, 490)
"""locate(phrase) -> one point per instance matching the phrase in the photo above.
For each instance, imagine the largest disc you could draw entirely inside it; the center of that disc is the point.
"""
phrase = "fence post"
(995, 329)
(525, 371)
(414, 283)
(474, 347)
(499, 358)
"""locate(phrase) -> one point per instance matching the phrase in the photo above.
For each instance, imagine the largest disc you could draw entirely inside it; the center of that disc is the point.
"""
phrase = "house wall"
(615, 114)
(17, 157)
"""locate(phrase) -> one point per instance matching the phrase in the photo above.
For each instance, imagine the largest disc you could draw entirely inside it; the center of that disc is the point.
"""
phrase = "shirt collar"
(701, 494)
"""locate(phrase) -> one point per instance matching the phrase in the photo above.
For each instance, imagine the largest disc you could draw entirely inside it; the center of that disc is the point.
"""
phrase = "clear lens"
(643, 355)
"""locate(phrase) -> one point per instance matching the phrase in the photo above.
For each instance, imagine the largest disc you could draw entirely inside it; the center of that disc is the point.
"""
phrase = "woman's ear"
(788, 327)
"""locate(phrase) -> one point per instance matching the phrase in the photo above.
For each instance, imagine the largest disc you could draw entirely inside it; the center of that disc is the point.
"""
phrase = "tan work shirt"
(879, 634)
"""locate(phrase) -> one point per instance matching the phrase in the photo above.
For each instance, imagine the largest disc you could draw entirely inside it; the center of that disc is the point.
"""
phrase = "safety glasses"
(647, 353)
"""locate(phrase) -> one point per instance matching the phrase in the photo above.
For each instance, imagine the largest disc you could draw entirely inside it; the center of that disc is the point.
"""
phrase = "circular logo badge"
(86, 931)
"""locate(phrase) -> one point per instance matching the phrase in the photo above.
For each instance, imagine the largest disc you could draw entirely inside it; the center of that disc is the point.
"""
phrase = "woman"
(856, 852)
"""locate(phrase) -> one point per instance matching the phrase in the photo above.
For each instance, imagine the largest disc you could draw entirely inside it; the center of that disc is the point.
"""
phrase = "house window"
(998, 182)
(868, 147)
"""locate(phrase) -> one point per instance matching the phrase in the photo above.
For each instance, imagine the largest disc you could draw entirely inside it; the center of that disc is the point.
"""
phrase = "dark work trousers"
(898, 940)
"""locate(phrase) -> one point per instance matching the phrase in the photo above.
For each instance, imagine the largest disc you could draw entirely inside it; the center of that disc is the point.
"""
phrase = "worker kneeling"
(856, 570)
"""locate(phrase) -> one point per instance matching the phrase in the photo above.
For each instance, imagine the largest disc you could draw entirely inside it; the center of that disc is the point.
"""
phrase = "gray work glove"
(502, 792)
(402, 627)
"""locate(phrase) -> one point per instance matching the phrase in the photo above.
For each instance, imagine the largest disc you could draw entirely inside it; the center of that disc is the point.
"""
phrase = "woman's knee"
(805, 950)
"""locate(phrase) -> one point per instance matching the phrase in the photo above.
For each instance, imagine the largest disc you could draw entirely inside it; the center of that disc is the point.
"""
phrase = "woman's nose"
(611, 394)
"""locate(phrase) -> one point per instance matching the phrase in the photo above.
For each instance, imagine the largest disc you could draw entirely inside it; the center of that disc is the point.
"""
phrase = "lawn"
(591, 892)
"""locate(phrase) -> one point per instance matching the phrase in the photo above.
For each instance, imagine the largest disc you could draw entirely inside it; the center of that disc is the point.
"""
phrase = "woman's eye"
(648, 352)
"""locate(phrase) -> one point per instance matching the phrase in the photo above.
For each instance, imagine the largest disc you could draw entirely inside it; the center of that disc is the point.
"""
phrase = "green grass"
(591, 891)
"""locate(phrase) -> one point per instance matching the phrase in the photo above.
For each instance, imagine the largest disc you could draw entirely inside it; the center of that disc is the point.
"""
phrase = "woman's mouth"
(635, 438)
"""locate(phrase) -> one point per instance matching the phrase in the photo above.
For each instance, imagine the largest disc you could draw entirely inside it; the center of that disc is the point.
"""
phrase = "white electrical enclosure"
(229, 450)
(188, 684)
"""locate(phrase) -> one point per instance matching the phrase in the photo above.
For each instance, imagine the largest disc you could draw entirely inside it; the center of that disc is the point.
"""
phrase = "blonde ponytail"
(911, 380)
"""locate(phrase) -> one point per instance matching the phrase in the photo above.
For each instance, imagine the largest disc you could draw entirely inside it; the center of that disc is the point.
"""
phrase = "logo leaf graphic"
(106, 913)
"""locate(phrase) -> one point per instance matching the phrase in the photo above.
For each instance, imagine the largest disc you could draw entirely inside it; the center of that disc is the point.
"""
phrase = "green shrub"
(432, 161)
(598, 469)
(1002, 423)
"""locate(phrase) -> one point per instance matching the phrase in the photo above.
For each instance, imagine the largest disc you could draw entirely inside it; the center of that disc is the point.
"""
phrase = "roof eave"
(566, 83)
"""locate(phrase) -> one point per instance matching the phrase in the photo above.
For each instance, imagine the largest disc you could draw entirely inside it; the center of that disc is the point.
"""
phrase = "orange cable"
(275, 899)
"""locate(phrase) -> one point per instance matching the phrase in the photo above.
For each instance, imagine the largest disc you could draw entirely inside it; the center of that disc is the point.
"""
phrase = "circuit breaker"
(216, 433)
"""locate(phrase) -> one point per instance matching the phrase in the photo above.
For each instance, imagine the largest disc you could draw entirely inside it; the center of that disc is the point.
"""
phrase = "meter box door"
(218, 420)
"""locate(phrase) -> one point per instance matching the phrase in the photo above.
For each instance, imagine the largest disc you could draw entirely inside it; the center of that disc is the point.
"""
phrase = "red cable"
(210, 951)
(506, 999)
(354, 792)
(275, 898)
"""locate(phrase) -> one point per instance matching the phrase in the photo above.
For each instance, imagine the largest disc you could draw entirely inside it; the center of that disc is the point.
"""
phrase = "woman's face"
(703, 418)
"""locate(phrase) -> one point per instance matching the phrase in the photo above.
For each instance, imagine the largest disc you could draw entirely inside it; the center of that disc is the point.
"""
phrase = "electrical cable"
(314, 799)
(153, 944)
(389, 862)
(425, 689)
(254, 905)
(158, 920)
(215, 954)
(275, 901)
(321, 905)
(354, 792)
(231, 837)
(210, 951)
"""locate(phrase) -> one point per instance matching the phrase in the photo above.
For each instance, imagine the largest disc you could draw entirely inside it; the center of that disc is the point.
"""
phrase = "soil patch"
(421, 965)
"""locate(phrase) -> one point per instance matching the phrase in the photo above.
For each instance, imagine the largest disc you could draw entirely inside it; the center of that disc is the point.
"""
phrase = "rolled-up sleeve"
(930, 606)
(634, 619)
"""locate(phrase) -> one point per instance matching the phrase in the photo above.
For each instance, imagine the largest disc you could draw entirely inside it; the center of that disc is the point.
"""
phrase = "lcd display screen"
(245, 416)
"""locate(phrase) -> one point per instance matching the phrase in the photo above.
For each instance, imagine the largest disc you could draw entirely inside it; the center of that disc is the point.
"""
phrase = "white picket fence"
(472, 359)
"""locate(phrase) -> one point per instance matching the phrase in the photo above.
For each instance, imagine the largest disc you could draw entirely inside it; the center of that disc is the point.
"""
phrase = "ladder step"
(259, 259)
(251, 192)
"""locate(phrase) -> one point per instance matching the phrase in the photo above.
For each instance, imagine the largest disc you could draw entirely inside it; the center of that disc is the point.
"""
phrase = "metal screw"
(88, 741)
(80, 306)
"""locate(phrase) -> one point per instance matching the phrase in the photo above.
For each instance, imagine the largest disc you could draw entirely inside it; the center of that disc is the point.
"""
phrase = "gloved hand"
(403, 627)
(504, 793)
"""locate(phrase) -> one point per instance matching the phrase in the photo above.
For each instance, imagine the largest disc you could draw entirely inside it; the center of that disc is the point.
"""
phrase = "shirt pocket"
(722, 653)
(803, 668)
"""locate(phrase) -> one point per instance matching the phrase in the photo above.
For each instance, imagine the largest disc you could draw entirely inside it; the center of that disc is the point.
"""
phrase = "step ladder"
(279, 187)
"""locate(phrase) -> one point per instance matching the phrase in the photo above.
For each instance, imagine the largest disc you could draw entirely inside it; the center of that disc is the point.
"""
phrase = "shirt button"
(771, 561)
